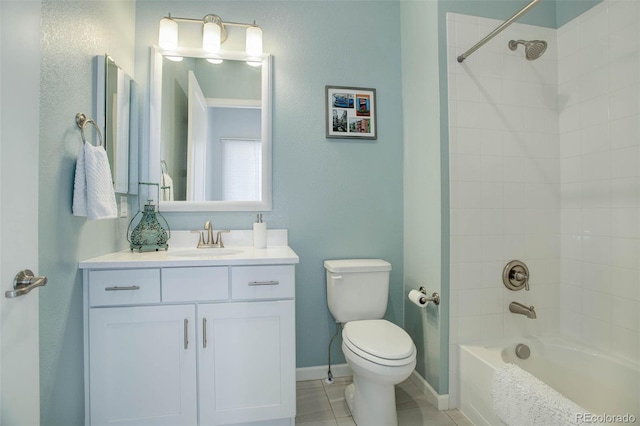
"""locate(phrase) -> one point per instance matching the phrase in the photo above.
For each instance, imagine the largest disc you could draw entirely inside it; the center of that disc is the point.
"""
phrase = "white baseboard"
(320, 372)
(441, 402)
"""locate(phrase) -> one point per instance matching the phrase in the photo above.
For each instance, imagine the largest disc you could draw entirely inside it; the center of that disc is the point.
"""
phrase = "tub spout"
(519, 308)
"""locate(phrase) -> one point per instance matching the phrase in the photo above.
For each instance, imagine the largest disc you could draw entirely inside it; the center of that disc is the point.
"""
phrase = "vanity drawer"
(195, 284)
(124, 287)
(263, 282)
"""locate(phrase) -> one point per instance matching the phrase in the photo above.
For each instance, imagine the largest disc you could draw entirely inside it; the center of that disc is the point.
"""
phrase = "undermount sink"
(204, 252)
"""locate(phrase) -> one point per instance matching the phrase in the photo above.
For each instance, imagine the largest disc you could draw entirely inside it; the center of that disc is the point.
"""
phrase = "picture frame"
(350, 112)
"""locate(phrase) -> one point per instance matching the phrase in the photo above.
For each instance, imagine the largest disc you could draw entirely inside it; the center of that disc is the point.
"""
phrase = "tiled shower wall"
(545, 168)
(599, 103)
(505, 180)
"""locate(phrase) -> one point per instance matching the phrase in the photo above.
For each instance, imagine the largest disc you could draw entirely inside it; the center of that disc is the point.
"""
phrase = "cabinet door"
(246, 362)
(143, 365)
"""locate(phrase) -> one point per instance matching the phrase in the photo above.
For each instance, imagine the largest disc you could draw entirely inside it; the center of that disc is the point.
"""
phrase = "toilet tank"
(357, 289)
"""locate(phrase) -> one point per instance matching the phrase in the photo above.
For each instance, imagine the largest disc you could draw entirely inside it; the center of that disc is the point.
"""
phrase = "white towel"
(93, 193)
(521, 399)
(167, 187)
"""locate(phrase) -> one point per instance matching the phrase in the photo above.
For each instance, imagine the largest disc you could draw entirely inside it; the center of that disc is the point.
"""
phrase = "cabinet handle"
(204, 333)
(116, 288)
(254, 283)
(186, 333)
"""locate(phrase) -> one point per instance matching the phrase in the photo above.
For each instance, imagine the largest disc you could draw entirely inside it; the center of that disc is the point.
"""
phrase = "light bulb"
(211, 37)
(168, 34)
(254, 42)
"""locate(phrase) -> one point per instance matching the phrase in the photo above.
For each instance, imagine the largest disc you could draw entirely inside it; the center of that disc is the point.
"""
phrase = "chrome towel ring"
(81, 121)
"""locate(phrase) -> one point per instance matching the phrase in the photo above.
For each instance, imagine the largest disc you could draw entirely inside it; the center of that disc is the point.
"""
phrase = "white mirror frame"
(155, 111)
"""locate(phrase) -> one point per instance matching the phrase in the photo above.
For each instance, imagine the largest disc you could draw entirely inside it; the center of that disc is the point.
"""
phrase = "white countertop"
(276, 253)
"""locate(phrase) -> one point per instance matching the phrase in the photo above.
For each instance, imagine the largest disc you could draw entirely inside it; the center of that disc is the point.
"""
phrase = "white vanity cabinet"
(190, 345)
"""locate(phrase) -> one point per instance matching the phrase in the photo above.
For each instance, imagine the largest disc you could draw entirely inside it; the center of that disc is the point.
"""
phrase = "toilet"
(380, 353)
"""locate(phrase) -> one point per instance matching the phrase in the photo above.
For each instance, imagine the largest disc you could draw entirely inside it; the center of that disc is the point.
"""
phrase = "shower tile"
(492, 249)
(596, 249)
(596, 277)
(492, 327)
(625, 162)
(625, 252)
(470, 276)
(492, 195)
(568, 39)
(596, 166)
(624, 283)
(599, 193)
(469, 195)
(623, 41)
(467, 114)
(570, 119)
(625, 132)
(594, 83)
(625, 192)
(594, 139)
(623, 13)
(625, 313)
(596, 221)
(594, 56)
(469, 329)
(492, 275)
(594, 111)
(625, 102)
(470, 168)
(491, 301)
(624, 72)
(469, 303)
(468, 142)
(492, 222)
(470, 248)
(571, 246)
(491, 142)
(595, 330)
(597, 305)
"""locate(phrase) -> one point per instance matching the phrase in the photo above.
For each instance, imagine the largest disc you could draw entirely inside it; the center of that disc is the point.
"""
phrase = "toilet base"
(382, 413)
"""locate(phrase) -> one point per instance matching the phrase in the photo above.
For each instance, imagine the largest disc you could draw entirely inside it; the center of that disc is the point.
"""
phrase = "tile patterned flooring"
(322, 404)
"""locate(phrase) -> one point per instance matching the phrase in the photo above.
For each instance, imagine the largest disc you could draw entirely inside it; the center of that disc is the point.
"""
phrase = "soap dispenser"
(260, 233)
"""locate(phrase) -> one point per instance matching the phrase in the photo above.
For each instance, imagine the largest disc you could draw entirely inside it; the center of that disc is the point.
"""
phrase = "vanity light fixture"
(214, 33)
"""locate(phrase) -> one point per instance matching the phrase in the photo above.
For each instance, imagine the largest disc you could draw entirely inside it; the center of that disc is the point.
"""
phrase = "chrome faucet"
(519, 308)
(211, 242)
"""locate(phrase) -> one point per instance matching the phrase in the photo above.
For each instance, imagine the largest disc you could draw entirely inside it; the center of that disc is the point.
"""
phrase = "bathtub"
(601, 384)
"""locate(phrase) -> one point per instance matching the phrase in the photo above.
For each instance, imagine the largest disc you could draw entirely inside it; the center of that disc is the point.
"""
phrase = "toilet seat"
(379, 341)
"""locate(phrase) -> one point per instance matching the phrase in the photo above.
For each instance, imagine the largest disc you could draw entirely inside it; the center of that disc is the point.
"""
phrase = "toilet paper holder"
(435, 297)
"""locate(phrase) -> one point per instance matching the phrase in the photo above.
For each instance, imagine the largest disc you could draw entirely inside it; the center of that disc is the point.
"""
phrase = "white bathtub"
(600, 383)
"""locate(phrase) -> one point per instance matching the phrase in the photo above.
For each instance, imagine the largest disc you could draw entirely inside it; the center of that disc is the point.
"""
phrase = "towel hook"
(81, 121)
(163, 167)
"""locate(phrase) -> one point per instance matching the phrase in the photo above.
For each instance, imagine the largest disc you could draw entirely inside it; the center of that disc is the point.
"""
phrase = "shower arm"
(495, 32)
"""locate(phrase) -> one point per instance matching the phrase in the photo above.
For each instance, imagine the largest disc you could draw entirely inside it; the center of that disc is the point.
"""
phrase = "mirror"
(116, 115)
(210, 135)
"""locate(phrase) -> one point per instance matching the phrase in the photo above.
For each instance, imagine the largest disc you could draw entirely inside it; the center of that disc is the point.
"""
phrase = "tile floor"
(322, 404)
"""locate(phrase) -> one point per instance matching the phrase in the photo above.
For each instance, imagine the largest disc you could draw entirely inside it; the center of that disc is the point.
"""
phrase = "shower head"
(533, 49)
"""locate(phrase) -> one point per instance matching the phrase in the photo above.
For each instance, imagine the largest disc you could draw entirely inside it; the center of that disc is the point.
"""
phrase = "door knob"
(24, 282)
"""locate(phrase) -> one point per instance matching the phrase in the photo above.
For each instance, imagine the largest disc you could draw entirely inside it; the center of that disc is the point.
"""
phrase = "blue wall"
(73, 33)
(338, 198)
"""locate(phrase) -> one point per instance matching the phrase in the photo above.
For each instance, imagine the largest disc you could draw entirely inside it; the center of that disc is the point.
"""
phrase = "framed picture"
(350, 112)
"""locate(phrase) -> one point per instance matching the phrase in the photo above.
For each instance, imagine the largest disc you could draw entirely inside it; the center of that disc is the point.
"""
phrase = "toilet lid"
(380, 338)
